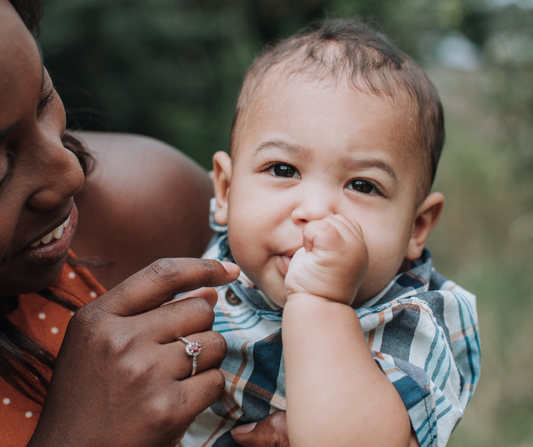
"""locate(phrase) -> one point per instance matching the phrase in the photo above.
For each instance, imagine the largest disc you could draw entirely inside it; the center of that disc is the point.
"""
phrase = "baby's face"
(309, 150)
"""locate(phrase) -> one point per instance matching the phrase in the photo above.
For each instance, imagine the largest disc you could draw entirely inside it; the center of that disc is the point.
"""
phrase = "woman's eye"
(5, 168)
(362, 186)
(45, 101)
(283, 170)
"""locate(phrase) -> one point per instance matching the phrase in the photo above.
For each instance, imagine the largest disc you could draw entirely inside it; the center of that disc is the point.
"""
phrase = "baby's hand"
(332, 263)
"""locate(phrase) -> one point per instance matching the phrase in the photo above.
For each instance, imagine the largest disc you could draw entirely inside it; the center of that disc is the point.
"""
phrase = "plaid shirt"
(421, 329)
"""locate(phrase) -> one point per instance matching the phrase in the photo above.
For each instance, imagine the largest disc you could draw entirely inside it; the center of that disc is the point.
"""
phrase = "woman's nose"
(57, 175)
(314, 204)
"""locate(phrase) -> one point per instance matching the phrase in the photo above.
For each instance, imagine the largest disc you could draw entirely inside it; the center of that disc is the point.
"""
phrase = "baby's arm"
(336, 394)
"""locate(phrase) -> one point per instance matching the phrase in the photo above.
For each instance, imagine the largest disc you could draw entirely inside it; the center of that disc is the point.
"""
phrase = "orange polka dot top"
(46, 322)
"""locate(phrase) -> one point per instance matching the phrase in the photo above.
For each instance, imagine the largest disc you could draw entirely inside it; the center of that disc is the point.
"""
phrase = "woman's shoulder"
(143, 201)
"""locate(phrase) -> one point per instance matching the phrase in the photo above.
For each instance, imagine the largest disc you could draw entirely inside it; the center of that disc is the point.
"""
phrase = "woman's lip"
(56, 250)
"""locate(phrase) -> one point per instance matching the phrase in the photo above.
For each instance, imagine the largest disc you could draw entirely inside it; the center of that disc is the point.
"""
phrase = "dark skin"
(121, 378)
(145, 183)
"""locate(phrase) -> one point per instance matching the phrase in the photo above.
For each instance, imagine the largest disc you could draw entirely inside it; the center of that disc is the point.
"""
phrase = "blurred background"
(171, 69)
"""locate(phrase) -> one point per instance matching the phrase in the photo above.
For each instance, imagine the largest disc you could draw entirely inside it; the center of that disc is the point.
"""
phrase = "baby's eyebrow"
(372, 163)
(291, 148)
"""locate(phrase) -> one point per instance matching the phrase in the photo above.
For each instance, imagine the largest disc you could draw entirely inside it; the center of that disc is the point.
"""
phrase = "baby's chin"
(271, 283)
(277, 295)
(274, 289)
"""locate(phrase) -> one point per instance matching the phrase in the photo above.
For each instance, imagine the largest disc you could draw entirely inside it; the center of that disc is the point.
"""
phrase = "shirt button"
(232, 299)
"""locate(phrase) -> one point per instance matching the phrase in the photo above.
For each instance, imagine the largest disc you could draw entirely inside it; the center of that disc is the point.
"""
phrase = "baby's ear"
(427, 216)
(222, 180)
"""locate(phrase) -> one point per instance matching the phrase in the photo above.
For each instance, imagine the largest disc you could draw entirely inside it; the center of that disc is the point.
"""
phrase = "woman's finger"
(180, 364)
(158, 282)
(195, 394)
(270, 432)
(178, 319)
(207, 293)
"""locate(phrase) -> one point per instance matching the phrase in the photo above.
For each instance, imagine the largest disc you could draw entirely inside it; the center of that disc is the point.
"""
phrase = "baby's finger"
(347, 228)
(320, 234)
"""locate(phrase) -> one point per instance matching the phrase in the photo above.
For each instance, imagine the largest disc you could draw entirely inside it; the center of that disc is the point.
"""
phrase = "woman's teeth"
(54, 234)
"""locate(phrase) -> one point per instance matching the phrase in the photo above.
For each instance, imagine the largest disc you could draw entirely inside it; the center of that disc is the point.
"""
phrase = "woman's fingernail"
(230, 267)
(243, 429)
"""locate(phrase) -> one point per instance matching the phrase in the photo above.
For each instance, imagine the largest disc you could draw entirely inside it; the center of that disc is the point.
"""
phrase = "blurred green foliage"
(171, 69)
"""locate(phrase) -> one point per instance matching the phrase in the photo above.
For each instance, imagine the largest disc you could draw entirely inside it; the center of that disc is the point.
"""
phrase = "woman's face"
(38, 175)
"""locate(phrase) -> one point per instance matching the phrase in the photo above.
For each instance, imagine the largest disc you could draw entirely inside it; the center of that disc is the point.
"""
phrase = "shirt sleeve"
(428, 346)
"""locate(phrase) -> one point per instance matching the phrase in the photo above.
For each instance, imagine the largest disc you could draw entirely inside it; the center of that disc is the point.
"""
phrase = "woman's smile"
(53, 246)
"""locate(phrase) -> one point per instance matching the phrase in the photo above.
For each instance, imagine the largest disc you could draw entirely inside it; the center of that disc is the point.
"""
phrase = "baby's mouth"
(283, 264)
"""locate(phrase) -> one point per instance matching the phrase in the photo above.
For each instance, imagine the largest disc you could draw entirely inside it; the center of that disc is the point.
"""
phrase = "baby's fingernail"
(243, 429)
(231, 268)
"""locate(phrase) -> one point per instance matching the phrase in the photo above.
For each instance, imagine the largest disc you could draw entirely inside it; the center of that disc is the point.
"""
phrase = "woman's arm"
(143, 201)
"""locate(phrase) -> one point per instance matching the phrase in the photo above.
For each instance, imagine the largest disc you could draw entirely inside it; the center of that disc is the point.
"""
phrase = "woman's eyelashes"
(5, 168)
(45, 100)
(283, 170)
(363, 186)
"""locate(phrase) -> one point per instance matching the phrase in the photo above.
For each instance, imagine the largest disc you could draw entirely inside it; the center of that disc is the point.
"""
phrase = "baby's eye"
(362, 186)
(284, 170)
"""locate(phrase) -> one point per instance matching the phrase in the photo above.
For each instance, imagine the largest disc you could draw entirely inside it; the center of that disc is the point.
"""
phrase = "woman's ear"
(222, 180)
(427, 216)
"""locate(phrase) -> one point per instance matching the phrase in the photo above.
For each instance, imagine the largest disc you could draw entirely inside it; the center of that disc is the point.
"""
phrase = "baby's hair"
(352, 50)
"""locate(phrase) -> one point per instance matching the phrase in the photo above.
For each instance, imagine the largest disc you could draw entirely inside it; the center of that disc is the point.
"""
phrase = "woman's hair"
(30, 11)
(24, 364)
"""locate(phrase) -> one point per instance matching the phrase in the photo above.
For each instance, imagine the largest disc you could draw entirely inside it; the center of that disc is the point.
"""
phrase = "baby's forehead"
(282, 81)
(281, 100)
(283, 91)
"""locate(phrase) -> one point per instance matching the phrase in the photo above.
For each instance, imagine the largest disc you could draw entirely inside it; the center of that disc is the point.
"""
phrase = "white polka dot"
(72, 275)
(42, 316)
(29, 414)
(54, 330)
(7, 400)
(93, 294)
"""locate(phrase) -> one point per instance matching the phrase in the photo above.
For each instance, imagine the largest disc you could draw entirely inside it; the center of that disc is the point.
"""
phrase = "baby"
(325, 206)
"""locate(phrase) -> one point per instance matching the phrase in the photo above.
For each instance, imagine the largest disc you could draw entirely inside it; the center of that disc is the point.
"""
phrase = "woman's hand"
(121, 378)
(270, 432)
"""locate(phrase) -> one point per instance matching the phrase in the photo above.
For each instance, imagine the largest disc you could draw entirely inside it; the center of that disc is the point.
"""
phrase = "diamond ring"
(192, 349)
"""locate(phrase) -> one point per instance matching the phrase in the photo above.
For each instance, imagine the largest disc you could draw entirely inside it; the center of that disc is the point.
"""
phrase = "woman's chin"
(29, 280)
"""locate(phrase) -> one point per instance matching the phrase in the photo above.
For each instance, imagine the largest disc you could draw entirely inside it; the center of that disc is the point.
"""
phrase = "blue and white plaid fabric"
(422, 331)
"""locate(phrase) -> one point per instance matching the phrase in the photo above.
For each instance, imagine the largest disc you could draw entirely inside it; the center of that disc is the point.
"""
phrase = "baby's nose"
(315, 205)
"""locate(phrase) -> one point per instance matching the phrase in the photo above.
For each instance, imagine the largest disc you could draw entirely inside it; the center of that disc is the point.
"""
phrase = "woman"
(122, 376)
